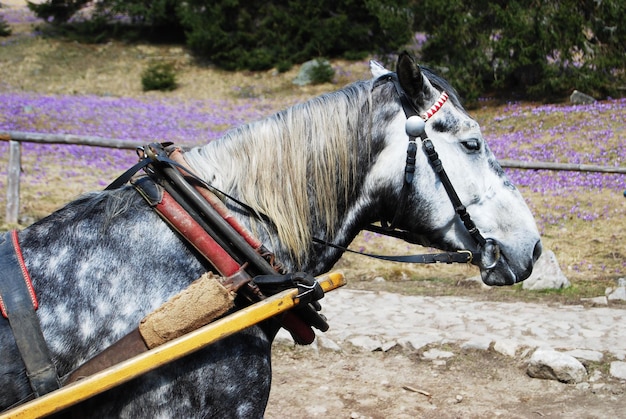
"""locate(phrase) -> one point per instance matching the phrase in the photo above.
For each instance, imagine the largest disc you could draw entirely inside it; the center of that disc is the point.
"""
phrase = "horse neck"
(302, 167)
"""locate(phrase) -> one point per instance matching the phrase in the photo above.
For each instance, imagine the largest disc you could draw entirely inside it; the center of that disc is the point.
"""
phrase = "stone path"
(381, 320)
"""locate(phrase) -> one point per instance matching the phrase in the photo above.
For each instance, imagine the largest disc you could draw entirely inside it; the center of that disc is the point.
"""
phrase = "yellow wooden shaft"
(168, 352)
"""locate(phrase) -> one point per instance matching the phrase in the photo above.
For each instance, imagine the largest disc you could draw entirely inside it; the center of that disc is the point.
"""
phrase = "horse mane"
(297, 166)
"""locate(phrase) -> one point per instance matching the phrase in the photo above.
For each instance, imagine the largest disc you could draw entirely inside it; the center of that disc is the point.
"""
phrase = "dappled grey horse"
(323, 169)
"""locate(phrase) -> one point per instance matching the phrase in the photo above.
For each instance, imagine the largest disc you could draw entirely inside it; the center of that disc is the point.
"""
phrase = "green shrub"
(159, 76)
(321, 73)
(5, 29)
(284, 66)
(257, 35)
(543, 51)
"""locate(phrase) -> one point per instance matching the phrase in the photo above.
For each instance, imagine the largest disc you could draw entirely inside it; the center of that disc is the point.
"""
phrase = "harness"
(192, 208)
(18, 303)
(203, 221)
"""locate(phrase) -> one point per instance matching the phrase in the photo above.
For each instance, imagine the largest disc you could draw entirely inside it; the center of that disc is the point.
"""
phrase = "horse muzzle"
(500, 267)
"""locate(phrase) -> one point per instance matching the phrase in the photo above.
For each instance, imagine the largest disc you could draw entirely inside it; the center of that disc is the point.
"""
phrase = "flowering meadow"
(582, 216)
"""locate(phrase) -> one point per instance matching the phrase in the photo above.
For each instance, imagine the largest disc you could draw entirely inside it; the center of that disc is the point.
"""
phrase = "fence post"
(13, 186)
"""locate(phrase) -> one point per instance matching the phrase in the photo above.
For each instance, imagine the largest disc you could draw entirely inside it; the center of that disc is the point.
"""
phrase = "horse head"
(506, 241)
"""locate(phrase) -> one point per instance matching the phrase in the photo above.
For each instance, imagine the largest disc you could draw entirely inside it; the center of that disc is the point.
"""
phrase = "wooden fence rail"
(15, 160)
(16, 137)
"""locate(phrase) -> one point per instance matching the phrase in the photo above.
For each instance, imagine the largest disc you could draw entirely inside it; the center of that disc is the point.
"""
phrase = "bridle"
(415, 127)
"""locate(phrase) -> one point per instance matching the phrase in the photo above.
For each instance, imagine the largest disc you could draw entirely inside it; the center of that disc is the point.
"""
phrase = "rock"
(552, 365)
(618, 370)
(586, 355)
(479, 342)
(506, 347)
(579, 98)
(366, 342)
(619, 293)
(388, 345)
(283, 337)
(417, 341)
(433, 354)
(327, 343)
(546, 274)
(305, 76)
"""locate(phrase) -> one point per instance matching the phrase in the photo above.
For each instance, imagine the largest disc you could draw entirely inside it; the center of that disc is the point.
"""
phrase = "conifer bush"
(544, 51)
(5, 29)
(237, 34)
(323, 72)
(159, 76)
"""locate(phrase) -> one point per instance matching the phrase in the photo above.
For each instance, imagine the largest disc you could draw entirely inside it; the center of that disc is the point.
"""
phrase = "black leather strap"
(18, 305)
(463, 256)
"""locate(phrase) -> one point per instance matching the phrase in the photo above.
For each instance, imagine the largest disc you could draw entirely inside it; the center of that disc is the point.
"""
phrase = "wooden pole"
(15, 137)
(35, 137)
(516, 164)
(113, 376)
(13, 185)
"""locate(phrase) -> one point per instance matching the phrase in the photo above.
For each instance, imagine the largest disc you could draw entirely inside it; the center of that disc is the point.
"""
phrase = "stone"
(388, 345)
(416, 342)
(433, 354)
(327, 343)
(305, 75)
(366, 342)
(479, 342)
(579, 98)
(618, 370)
(586, 355)
(547, 274)
(552, 365)
(506, 347)
(283, 337)
(618, 294)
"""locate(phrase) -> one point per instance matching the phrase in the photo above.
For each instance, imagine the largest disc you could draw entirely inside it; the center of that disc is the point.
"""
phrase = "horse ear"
(378, 69)
(410, 76)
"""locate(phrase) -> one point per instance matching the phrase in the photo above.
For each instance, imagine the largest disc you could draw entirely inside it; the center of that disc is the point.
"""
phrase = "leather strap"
(463, 256)
(18, 304)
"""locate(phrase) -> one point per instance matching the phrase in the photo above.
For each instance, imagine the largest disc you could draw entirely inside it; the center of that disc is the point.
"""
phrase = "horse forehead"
(453, 121)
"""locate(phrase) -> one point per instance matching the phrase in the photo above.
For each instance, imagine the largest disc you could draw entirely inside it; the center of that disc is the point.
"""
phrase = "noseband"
(416, 127)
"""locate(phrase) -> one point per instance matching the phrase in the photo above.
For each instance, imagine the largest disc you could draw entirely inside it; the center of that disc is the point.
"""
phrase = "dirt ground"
(399, 384)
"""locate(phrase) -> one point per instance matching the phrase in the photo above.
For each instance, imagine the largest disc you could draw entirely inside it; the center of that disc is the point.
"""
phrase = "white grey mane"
(309, 152)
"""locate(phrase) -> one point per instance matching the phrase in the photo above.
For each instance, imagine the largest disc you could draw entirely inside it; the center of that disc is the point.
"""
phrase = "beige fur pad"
(197, 305)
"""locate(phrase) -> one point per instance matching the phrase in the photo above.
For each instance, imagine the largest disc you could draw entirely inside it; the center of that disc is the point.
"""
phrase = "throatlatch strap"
(18, 305)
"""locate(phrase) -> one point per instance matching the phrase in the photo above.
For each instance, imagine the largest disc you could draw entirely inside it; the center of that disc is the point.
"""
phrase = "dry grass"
(54, 66)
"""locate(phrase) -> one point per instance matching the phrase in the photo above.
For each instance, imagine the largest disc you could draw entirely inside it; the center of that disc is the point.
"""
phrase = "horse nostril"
(537, 251)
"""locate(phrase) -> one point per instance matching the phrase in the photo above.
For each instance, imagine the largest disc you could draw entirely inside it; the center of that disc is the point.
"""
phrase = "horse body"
(323, 169)
(99, 246)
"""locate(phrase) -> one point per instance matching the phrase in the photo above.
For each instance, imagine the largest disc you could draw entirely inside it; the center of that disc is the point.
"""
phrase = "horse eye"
(471, 145)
